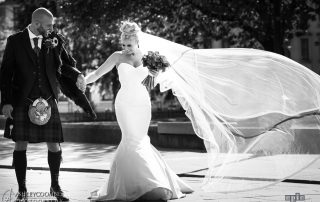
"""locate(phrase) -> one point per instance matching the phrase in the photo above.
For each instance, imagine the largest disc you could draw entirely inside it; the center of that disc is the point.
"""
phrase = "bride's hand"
(153, 73)
(86, 79)
(81, 84)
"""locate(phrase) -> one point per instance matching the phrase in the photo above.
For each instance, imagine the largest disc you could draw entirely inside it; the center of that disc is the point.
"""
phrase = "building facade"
(306, 49)
(302, 49)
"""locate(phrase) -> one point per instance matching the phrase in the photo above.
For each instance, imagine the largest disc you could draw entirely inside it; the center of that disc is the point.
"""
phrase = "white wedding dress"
(138, 170)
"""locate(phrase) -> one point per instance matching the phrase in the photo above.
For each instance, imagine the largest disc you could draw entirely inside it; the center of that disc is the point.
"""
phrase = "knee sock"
(54, 161)
(20, 166)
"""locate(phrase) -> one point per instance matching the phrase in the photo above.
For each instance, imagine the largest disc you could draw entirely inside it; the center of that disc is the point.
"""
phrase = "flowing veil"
(256, 111)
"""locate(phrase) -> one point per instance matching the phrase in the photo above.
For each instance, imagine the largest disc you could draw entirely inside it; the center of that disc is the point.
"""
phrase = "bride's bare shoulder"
(115, 57)
(117, 54)
(118, 57)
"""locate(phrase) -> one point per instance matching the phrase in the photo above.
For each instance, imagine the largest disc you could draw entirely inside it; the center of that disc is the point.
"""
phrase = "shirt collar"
(32, 35)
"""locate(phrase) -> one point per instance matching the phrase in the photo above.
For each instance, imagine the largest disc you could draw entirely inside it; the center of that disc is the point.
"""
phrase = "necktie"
(36, 47)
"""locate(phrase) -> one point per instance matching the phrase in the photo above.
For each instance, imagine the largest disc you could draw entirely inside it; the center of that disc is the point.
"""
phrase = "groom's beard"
(43, 32)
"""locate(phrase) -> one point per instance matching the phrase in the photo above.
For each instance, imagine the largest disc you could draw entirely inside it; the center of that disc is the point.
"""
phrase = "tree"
(263, 24)
(24, 9)
(92, 26)
(268, 22)
(4, 33)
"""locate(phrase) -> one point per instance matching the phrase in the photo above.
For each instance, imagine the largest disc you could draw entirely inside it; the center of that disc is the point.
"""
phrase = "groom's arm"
(6, 73)
(68, 69)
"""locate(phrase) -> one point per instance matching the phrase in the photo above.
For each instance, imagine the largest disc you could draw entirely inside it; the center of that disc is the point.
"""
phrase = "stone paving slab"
(78, 186)
(99, 157)
(96, 156)
(81, 156)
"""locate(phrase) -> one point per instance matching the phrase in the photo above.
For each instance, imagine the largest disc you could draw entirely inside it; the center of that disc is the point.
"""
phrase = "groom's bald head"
(42, 21)
(40, 13)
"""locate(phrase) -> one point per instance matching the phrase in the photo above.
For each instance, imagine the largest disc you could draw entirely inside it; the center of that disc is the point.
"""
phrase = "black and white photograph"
(160, 101)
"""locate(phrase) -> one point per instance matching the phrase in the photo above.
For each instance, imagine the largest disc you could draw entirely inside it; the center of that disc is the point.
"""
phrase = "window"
(305, 49)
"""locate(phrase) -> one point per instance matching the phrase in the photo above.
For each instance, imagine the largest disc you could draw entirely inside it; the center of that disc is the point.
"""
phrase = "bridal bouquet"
(155, 63)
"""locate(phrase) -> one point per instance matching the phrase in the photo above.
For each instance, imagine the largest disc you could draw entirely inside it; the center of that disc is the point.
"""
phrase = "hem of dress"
(136, 198)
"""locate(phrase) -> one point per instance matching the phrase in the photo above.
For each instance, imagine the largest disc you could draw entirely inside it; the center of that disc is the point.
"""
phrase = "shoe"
(22, 197)
(58, 193)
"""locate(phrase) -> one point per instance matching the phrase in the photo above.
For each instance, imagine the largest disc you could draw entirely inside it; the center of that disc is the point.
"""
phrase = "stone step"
(176, 134)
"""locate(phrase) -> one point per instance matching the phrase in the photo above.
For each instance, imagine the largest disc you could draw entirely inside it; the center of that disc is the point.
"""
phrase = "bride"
(138, 170)
(251, 107)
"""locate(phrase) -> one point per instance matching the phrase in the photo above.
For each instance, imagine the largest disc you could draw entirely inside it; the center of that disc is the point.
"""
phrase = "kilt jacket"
(17, 76)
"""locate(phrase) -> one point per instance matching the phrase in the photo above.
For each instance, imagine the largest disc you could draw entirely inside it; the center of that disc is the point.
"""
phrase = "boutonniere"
(51, 42)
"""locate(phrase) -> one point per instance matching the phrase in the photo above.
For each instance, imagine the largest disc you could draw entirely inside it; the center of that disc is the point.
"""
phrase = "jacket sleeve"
(7, 73)
(68, 66)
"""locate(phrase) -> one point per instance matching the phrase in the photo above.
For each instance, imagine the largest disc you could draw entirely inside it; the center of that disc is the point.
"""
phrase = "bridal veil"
(256, 111)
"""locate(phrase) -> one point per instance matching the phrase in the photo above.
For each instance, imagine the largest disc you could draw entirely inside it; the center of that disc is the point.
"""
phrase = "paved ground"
(85, 168)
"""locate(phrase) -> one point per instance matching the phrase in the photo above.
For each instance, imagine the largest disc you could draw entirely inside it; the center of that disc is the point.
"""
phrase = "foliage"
(5, 31)
(269, 22)
(92, 26)
(24, 9)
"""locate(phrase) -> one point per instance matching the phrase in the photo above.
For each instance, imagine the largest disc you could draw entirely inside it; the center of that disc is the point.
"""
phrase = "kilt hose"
(24, 130)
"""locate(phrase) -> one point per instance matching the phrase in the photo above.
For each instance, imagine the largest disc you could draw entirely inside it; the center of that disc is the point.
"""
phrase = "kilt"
(24, 130)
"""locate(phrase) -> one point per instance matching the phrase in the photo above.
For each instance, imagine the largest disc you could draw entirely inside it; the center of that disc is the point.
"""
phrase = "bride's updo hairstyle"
(129, 30)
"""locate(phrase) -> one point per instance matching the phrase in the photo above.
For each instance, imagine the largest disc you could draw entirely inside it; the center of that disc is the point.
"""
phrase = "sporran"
(39, 112)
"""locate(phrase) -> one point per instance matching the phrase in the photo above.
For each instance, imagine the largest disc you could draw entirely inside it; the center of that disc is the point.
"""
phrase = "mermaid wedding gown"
(138, 170)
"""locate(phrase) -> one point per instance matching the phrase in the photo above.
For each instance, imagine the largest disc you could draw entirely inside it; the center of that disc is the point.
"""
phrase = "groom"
(28, 82)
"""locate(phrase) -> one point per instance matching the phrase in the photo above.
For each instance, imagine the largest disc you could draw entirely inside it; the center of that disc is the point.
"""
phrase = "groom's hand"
(81, 84)
(7, 110)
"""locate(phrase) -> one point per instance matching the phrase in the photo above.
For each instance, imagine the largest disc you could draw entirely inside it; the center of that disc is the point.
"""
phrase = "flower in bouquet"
(155, 63)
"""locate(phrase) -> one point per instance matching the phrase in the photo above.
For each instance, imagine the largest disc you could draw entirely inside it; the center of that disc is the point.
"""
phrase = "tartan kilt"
(24, 130)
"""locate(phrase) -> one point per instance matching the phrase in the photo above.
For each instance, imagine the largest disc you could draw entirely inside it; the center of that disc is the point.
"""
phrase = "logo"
(296, 197)
(8, 196)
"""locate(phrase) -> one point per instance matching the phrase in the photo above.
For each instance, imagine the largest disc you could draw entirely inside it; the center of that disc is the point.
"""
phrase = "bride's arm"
(104, 68)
